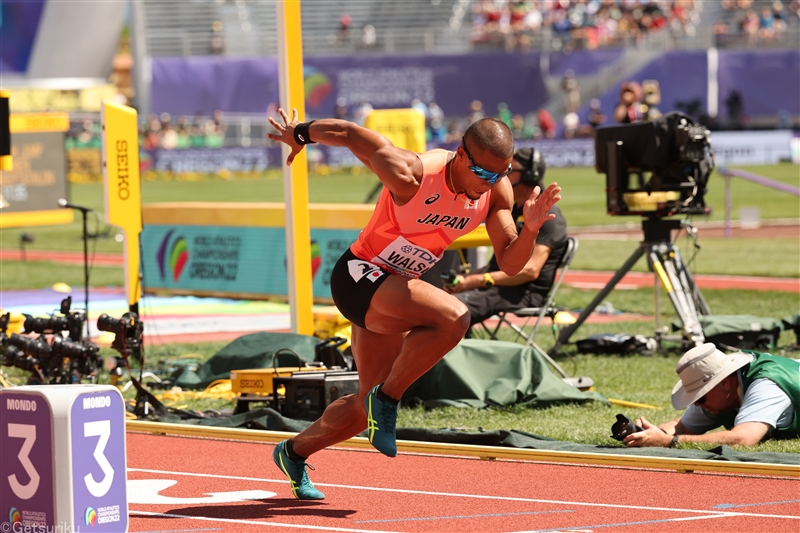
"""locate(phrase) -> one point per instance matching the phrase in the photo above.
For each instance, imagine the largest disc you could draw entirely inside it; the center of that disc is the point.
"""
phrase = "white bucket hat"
(701, 369)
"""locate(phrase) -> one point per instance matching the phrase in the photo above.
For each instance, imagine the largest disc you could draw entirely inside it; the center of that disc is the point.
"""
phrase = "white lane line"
(591, 528)
(473, 496)
(259, 523)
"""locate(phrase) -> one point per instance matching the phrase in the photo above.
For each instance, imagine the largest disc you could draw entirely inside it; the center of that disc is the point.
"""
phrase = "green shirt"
(785, 373)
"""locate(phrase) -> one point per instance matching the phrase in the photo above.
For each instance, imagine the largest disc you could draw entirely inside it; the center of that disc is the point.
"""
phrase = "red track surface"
(369, 492)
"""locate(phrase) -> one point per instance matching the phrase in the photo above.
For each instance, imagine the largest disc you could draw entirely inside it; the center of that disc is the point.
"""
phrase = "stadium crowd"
(755, 22)
(577, 24)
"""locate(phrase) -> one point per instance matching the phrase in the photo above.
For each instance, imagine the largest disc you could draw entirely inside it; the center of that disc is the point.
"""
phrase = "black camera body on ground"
(623, 427)
(657, 168)
(129, 330)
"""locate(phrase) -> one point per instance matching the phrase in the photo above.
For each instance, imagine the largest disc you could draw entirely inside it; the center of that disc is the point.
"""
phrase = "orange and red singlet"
(409, 239)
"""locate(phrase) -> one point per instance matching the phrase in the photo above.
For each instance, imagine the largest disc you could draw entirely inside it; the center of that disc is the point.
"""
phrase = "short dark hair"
(492, 135)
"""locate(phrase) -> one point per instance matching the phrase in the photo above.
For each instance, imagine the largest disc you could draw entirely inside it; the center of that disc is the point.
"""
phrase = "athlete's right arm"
(398, 169)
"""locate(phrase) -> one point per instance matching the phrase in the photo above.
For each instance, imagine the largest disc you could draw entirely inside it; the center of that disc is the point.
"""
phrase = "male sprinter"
(402, 325)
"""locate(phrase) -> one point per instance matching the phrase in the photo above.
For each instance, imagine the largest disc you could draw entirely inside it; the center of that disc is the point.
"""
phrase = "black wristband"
(301, 133)
(675, 441)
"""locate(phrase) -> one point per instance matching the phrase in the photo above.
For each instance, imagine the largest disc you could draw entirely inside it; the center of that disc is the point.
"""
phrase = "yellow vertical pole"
(295, 177)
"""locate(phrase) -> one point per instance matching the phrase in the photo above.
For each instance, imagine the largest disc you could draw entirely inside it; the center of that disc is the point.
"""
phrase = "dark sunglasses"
(486, 175)
(701, 400)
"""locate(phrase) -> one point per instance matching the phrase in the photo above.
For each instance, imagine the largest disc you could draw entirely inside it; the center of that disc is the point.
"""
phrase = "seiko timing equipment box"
(309, 393)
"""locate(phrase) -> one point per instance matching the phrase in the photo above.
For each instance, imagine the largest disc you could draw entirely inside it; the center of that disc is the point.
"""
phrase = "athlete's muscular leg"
(435, 322)
(374, 354)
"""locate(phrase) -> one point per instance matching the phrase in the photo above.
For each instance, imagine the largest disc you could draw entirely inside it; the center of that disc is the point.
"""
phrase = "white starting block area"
(63, 462)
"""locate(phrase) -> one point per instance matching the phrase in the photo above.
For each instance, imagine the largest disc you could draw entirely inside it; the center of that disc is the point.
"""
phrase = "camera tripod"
(664, 260)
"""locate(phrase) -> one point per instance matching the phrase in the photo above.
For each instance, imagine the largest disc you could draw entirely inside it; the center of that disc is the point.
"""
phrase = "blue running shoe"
(302, 488)
(381, 423)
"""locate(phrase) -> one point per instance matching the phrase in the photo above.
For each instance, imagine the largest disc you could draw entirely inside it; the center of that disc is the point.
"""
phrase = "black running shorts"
(353, 284)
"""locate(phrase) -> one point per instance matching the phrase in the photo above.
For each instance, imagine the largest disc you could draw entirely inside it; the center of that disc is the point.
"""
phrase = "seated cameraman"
(488, 290)
(753, 395)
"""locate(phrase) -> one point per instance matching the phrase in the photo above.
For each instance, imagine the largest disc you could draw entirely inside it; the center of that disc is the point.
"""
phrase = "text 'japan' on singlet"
(408, 240)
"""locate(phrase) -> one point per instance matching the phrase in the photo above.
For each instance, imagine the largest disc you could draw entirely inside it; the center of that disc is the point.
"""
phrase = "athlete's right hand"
(286, 133)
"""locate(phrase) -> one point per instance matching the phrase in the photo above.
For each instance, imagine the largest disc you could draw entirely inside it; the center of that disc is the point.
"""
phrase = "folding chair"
(546, 310)
(539, 313)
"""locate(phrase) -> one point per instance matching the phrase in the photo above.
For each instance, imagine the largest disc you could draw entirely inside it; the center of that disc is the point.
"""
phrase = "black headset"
(533, 166)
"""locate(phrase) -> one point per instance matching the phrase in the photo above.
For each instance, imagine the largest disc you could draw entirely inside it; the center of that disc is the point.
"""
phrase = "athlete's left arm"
(513, 250)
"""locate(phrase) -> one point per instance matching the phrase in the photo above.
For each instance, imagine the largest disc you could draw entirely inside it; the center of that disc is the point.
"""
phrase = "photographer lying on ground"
(753, 395)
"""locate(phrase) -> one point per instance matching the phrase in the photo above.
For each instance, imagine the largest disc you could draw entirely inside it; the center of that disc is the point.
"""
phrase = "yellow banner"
(404, 127)
(27, 100)
(122, 186)
(37, 122)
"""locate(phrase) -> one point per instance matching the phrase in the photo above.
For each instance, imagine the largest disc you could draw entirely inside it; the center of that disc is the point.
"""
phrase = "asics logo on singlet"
(432, 199)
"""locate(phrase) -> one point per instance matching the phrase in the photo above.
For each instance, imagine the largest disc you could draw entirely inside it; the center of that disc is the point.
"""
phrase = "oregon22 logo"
(173, 254)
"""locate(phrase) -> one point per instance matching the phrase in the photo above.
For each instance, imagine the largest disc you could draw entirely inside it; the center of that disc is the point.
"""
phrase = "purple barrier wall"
(204, 84)
(584, 62)
(19, 22)
(189, 85)
(768, 81)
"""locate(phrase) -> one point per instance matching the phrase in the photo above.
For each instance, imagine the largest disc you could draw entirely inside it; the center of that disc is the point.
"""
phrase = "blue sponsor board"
(236, 260)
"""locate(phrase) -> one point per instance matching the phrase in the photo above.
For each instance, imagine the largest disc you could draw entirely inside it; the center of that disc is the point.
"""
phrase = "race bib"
(359, 269)
(406, 258)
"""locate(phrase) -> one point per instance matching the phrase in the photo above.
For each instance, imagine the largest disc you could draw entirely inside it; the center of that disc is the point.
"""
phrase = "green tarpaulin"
(480, 373)
(250, 351)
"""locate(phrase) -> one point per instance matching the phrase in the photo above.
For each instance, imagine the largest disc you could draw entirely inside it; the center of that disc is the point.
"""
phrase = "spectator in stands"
(571, 90)
(340, 110)
(217, 42)
(629, 107)
(753, 395)
(504, 114)
(475, 112)
(344, 29)
(734, 104)
(488, 290)
(596, 116)
(572, 123)
(361, 111)
(369, 37)
(547, 123)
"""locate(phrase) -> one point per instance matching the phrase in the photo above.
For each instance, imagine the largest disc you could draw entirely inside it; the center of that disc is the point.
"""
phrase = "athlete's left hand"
(536, 207)
(286, 133)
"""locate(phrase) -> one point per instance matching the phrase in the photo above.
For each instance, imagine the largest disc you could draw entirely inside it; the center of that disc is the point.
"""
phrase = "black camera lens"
(41, 325)
(72, 349)
(36, 348)
(107, 323)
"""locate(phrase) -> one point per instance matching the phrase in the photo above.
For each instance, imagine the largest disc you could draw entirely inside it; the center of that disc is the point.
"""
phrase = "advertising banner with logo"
(234, 260)
(27, 484)
(122, 186)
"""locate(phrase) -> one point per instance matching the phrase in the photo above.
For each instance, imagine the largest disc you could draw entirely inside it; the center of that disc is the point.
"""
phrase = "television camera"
(656, 169)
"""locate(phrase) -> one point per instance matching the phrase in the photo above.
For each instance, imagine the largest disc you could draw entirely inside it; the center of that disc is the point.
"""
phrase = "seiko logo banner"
(406, 258)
